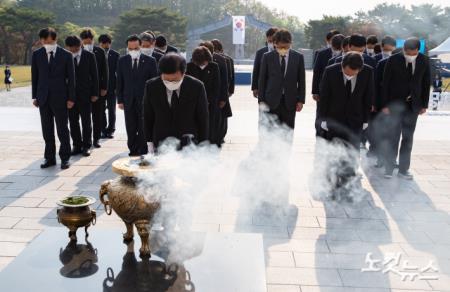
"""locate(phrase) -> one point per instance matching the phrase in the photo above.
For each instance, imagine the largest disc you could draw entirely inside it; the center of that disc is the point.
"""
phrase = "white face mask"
(270, 46)
(348, 77)
(76, 54)
(89, 48)
(147, 51)
(50, 48)
(410, 59)
(387, 53)
(336, 53)
(172, 85)
(134, 54)
(370, 51)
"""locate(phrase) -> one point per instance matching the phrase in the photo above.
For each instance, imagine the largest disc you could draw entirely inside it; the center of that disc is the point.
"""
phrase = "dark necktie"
(409, 69)
(283, 65)
(348, 88)
(52, 59)
(175, 100)
(75, 61)
(135, 64)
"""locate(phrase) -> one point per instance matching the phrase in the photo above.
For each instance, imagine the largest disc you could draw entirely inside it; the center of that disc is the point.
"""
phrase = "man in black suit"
(204, 69)
(372, 41)
(226, 110)
(323, 56)
(53, 91)
(99, 105)
(224, 106)
(175, 105)
(133, 71)
(148, 45)
(86, 90)
(282, 80)
(328, 38)
(406, 91)
(346, 93)
(109, 124)
(357, 43)
(388, 44)
(258, 58)
(163, 47)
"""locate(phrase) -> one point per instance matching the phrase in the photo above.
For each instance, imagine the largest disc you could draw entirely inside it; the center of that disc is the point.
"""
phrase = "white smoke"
(260, 181)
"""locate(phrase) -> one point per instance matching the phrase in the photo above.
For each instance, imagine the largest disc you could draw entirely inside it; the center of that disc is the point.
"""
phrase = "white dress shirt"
(353, 81)
(413, 65)
(287, 61)
(48, 54)
(77, 58)
(137, 58)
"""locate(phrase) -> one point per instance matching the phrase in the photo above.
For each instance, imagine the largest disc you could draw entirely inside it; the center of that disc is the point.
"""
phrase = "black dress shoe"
(76, 151)
(48, 163)
(86, 152)
(96, 144)
(65, 164)
(110, 135)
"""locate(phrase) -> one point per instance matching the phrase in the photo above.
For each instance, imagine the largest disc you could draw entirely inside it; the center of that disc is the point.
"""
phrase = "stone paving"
(317, 246)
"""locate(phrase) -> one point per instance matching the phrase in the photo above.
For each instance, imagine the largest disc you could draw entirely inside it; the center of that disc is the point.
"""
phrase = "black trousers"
(370, 132)
(98, 111)
(319, 131)
(135, 129)
(81, 139)
(403, 122)
(223, 126)
(109, 123)
(215, 120)
(283, 115)
(51, 114)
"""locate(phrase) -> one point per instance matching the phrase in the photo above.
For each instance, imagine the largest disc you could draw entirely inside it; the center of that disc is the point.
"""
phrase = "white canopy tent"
(443, 48)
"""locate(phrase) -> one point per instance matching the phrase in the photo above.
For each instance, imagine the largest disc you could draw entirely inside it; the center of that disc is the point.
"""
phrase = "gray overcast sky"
(314, 9)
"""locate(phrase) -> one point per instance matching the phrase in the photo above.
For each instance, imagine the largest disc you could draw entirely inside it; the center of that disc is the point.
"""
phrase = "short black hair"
(218, 47)
(282, 36)
(332, 33)
(336, 41)
(372, 40)
(201, 55)
(72, 41)
(412, 44)
(271, 31)
(388, 40)
(357, 40)
(346, 42)
(47, 32)
(353, 60)
(133, 38)
(87, 33)
(377, 49)
(161, 41)
(105, 39)
(209, 45)
(145, 36)
(172, 63)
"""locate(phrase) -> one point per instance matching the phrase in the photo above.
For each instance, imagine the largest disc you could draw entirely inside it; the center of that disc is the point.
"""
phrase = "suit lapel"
(290, 62)
(141, 64)
(276, 59)
(163, 94)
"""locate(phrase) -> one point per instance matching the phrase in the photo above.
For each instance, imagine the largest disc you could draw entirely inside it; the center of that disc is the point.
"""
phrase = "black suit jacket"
(56, 83)
(86, 77)
(378, 57)
(397, 86)
(322, 58)
(210, 77)
(157, 55)
(367, 60)
(113, 59)
(336, 108)
(190, 117)
(171, 49)
(130, 89)
(102, 67)
(257, 66)
(271, 80)
(231, 73)
(223, 69)
(379, 72)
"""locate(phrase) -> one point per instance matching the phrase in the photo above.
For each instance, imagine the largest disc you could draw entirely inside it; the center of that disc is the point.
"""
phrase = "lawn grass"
(445, 83)
(20, 74)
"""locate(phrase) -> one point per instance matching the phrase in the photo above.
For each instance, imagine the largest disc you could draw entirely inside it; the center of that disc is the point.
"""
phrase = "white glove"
(263, 107)
(365, 126)
(151, 147)
(324, 126)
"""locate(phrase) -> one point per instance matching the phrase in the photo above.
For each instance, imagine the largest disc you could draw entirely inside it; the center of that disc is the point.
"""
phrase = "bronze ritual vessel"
(76, 216)
(128, 201)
